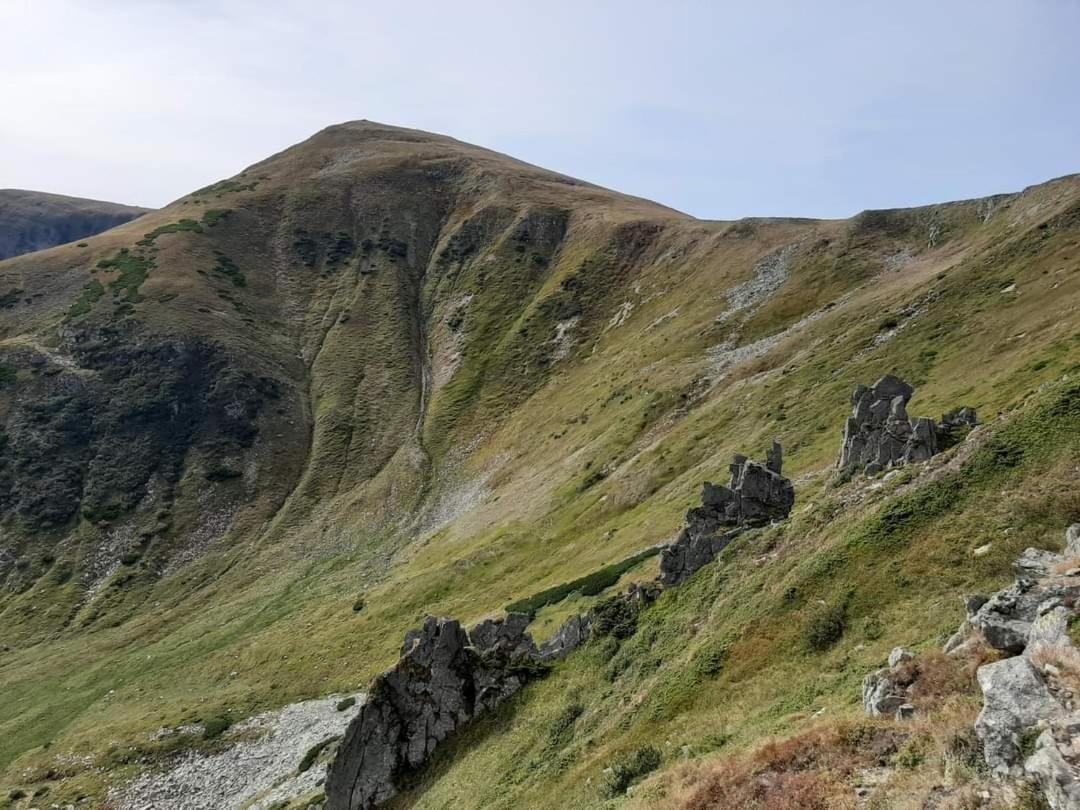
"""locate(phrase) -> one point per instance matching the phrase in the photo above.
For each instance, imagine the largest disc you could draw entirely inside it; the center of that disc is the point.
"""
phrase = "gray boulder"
(1072, 540)
(888, 690)
(882, 695)
(572, 634)
(1055, 764)
(1015, 698)
(1006, 617)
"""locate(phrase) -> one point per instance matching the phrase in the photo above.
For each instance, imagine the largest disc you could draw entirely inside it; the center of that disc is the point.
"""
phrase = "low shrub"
(215, 727)
(588, 585)
(628, 768)
(826, 627)
(347, 703)
(313, 754)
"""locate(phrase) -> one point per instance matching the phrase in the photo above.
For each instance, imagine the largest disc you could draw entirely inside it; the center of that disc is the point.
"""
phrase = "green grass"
(10, 298)
(228, 268)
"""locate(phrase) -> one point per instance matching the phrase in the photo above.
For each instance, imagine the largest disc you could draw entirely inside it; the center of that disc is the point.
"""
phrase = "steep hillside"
(34, 220)
(250, 439)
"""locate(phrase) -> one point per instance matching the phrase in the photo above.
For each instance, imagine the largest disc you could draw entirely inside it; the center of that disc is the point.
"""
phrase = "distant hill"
(34, 220)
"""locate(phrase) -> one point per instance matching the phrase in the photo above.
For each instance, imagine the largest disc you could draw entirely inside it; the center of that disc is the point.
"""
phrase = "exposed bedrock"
(879, 434)
(758, 493)
(445, 678)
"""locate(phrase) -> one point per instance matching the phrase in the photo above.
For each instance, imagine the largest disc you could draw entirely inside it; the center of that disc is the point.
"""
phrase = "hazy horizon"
(719, 110)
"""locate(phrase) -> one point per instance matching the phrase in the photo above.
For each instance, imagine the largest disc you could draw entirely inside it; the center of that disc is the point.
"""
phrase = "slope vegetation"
(250, 439)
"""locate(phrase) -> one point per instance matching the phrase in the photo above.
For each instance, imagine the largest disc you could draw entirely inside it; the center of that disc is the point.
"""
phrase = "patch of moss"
(588, 585)
(228, 268)
(173, 227)
(216, 726)
(87, 298)
(10, 298)
(313, 754)
(132, 269)
(215, 216)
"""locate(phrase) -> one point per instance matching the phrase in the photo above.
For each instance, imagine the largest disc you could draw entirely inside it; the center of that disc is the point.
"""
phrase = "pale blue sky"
(720, 109)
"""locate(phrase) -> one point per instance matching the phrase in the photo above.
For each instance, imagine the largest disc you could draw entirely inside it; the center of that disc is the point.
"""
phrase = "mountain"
(34, 220)
(248, 440)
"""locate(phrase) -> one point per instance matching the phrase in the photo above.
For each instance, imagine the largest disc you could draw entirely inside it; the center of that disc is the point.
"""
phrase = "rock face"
(1015, 698)
(447, 677)
(444, 679)
(1005, 619)
(1032, 693)
(879, 434)
(757, 494)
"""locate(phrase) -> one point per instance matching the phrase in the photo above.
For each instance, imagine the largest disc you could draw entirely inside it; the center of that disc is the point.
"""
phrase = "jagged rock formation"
(444, 679)
(34, 220)
(1032, 693)
(758, 493)
(879, 434)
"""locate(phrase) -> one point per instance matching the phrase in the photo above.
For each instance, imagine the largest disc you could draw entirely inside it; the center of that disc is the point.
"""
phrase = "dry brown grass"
(810, 771)
(1065, 662)
(936, 754)
(1067, 565)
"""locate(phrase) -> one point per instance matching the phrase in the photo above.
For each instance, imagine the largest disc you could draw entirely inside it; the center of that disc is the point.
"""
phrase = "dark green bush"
(347, 703)
(313, 754)
(588, 585)
(628, 768)
(826, 627)
(215, 727)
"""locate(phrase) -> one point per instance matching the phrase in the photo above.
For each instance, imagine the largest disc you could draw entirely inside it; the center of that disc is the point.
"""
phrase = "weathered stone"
(898, 655)
(506, 637)
(1072, 540)
(905, 712)
(879, 434)
(759, 493)
(440, 683)
(882, 695)
(572, 634)
(1005, 619)
(1055, 764)
(1015, 698)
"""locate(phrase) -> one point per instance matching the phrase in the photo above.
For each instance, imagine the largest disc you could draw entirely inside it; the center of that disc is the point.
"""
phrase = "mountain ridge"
(420, 377)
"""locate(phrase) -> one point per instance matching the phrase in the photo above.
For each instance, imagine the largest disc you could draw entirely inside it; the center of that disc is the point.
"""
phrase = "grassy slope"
(533, 469)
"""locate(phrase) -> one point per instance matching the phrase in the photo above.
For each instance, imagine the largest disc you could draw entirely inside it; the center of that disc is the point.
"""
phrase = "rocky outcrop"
(879, 434)
(445, 678)
(758, 493)
(1005, 619)
(1032, 694)
(1015, 698)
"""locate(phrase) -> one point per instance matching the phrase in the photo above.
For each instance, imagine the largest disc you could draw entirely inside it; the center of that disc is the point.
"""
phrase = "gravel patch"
(254, 773)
